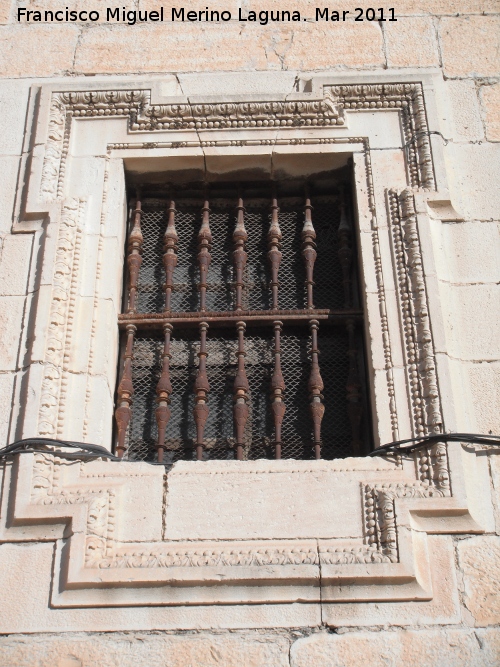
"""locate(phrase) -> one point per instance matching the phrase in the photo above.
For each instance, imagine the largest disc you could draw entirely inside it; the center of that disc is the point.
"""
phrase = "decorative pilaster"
(204, 257)
(163, 393)
(201, 387)
(308, 248)
(277, 389)
(134, 259)
(125, 392)
(170, 255)
(240, 255)
(241, 389)
(274, 237)
(315, 387)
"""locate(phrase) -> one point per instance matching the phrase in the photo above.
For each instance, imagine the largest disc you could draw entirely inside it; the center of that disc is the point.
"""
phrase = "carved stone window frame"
(74, 203)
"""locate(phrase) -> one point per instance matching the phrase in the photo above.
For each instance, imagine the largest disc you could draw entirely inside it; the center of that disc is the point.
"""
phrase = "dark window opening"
(242, 325)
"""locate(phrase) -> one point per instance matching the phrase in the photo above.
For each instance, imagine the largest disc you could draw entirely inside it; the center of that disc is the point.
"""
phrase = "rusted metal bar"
(354, 405)
(163, 393)
(240, 255)
(308, 248)
(201, 387)
(345, 253)
(277, 390)
(315, 387)
(274, 237)
(170, 255)
(241, 389)
(125, 392)
(134, 258)
(204, 257)
(250, 317)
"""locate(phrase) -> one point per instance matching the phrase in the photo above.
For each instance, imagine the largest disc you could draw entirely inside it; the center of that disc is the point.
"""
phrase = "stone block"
(440, 7)
(478, 335)
(312, 46)
(15, 264)
(167, 46)
(98, 419)
(5, 11)
(469, 45)
(465, 108)
(479, 562)
(253, 83)
(154, 650)
(473, 171)
(473, 252)
(490, 100)
(11, 324)
(26, 608)
(47, 50)
(259, 500)
(9, 168)
(411, 42)
(6, 401)
(426, 648)
(494, 461)
(442, 609)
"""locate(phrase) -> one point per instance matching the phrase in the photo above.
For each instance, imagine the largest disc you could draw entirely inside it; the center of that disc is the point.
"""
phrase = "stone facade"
(267, 562)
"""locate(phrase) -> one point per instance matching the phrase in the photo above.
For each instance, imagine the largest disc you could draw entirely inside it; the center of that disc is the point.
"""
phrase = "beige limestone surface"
(459, 625)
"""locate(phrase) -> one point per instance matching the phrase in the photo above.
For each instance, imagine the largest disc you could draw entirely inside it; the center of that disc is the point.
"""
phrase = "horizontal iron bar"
(224, 318)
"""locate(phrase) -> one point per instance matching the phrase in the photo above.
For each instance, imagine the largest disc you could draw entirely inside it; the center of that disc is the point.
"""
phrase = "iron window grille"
(233, 292)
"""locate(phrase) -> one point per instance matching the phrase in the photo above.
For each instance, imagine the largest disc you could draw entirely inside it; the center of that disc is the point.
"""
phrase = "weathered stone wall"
(461, 40)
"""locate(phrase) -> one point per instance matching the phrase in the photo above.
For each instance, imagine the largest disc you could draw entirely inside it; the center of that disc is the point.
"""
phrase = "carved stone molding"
(328, 112)
(88, 503)
(419, 348)
(60, 330)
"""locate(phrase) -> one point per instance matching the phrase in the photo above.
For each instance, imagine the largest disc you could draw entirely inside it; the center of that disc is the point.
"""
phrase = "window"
(242, 327)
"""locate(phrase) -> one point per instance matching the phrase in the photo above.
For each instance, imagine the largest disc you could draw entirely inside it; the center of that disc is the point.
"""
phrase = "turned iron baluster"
(241, 389)
(315, 387)
(274, 237)
(201, 387)
(204, 257)
(125, 392)
(163, 393)
(240, 255)
(345, 253)
(277, 390)
(134, 258)
(170, 255)
(309, 248)
(354, 406)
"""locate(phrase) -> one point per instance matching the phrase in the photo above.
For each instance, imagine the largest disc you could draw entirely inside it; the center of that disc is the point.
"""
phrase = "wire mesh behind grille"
(328, 291)
(221, 371)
